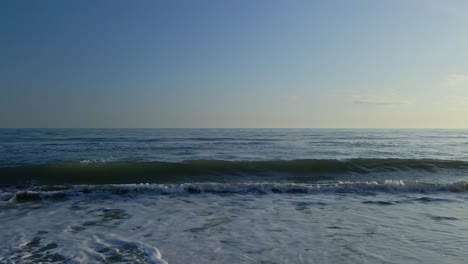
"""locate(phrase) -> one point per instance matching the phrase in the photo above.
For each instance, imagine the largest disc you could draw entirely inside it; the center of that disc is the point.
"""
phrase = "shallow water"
(233, 196)
(239, 228)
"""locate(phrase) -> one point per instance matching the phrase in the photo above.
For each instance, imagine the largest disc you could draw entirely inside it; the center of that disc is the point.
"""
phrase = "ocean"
(233, 196)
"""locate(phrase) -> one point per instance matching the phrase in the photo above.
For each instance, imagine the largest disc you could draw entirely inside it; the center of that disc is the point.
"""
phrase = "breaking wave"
(122, 172)
(388, 186)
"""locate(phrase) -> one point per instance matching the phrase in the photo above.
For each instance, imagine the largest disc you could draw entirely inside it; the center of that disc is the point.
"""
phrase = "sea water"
(233, 196)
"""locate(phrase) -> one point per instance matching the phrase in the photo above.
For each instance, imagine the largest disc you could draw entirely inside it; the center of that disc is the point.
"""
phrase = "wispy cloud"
(377, 100)
(457, 79)
(458, 103)
(459, 100)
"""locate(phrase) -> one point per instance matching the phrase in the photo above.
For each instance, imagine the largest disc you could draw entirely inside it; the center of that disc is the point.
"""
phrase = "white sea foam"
(101, 160)
(387, 186)
(238, 228)
(135, 250)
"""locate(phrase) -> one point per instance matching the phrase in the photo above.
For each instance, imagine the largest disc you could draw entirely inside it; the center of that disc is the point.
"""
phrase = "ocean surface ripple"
(233, 196)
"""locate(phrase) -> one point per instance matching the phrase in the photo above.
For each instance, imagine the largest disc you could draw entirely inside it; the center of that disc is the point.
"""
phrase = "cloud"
(457, 103)
(377, 100)
(459, 100)
(457, 79)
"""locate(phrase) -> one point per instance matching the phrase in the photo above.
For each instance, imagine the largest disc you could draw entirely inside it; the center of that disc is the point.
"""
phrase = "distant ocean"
(233, 196)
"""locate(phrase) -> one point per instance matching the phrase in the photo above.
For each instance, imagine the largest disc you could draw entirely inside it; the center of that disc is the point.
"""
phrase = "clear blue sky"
(242, 63)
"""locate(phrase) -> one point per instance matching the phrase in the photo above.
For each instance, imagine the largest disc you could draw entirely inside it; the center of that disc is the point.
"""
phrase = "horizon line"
(324, 128)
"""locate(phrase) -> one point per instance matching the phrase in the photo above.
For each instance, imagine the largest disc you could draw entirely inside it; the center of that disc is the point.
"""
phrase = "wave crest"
(99, 172)
(388, 186)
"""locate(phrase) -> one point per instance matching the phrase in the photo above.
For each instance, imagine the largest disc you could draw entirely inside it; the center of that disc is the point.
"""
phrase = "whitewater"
(233, 196)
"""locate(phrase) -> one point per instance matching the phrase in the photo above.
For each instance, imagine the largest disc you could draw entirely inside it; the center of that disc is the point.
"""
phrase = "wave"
(389, 186)
(121, 172)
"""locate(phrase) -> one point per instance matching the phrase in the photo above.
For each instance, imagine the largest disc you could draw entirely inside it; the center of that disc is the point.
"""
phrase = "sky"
(234, 64)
